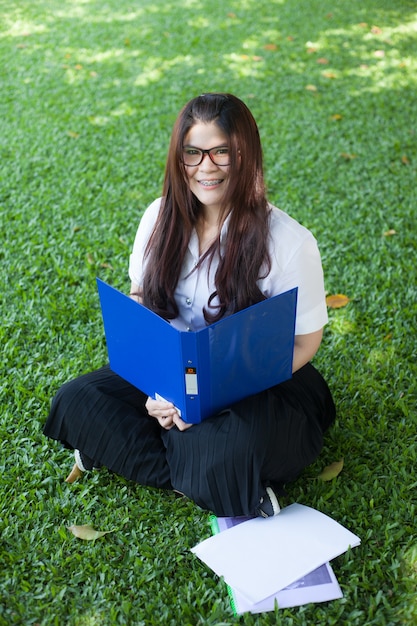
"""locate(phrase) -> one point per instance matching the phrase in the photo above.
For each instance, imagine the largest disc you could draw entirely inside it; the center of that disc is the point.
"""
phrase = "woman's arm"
(305, 347)
(135, 292)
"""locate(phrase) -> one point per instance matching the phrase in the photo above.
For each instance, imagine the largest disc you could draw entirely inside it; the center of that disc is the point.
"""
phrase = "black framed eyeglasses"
(220, 155)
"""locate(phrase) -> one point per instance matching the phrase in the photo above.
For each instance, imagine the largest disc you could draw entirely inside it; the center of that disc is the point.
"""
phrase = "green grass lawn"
(89, 92)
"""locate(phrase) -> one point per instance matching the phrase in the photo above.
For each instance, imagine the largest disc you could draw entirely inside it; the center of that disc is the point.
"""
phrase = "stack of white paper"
(318, 586)
(261, 557)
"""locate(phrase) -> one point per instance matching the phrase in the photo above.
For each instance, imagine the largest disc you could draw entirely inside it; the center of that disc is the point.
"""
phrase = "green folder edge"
(215, 530)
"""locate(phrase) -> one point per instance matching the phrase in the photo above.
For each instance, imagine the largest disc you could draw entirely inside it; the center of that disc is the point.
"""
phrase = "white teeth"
(209, 183)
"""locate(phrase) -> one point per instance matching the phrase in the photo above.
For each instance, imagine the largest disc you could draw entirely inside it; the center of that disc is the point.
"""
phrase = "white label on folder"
(191, 386)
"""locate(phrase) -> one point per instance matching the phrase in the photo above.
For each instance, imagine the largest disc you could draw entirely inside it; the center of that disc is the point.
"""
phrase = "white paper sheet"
(319, 586)
(262, 556)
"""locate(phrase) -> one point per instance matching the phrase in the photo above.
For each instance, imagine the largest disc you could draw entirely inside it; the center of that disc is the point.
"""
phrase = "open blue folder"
(205, 371)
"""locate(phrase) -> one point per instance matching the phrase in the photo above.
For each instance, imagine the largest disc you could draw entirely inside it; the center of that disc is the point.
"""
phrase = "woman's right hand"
(164, 412)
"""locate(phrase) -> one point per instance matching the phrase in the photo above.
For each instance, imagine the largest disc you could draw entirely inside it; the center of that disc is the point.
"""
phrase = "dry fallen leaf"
(331, 471)
(311, 88)
(87, 532)
(337, 301)
(348, 156)
(271, 46)
(323, 61)
(405, 160)
(390, 232)
(337, 117)
(329, 75)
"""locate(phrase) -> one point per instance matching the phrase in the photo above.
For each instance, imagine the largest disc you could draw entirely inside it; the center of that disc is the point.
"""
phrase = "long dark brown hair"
(245, 258)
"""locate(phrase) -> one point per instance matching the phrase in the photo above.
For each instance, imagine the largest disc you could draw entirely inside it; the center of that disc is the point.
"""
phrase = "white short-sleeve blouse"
(295, 262)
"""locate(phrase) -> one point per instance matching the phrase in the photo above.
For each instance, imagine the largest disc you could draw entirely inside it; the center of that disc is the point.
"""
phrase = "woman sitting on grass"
(211, 246)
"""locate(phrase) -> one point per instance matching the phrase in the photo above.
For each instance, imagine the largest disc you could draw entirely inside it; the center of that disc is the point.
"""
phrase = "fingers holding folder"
(166, 414)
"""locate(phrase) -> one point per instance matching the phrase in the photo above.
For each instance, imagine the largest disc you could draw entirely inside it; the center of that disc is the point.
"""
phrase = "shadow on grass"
(141, 45)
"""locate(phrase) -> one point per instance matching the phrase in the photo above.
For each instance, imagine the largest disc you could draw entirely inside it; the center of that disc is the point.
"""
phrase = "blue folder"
(205, 371)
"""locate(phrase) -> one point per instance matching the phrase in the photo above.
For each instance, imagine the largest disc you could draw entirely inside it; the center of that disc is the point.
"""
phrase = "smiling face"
(207, 181)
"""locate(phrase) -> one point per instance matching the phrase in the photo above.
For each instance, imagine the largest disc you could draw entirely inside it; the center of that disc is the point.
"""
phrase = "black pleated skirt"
(223, 463)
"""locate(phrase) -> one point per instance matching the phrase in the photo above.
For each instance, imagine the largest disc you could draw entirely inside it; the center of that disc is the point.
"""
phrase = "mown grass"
(89, 92)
